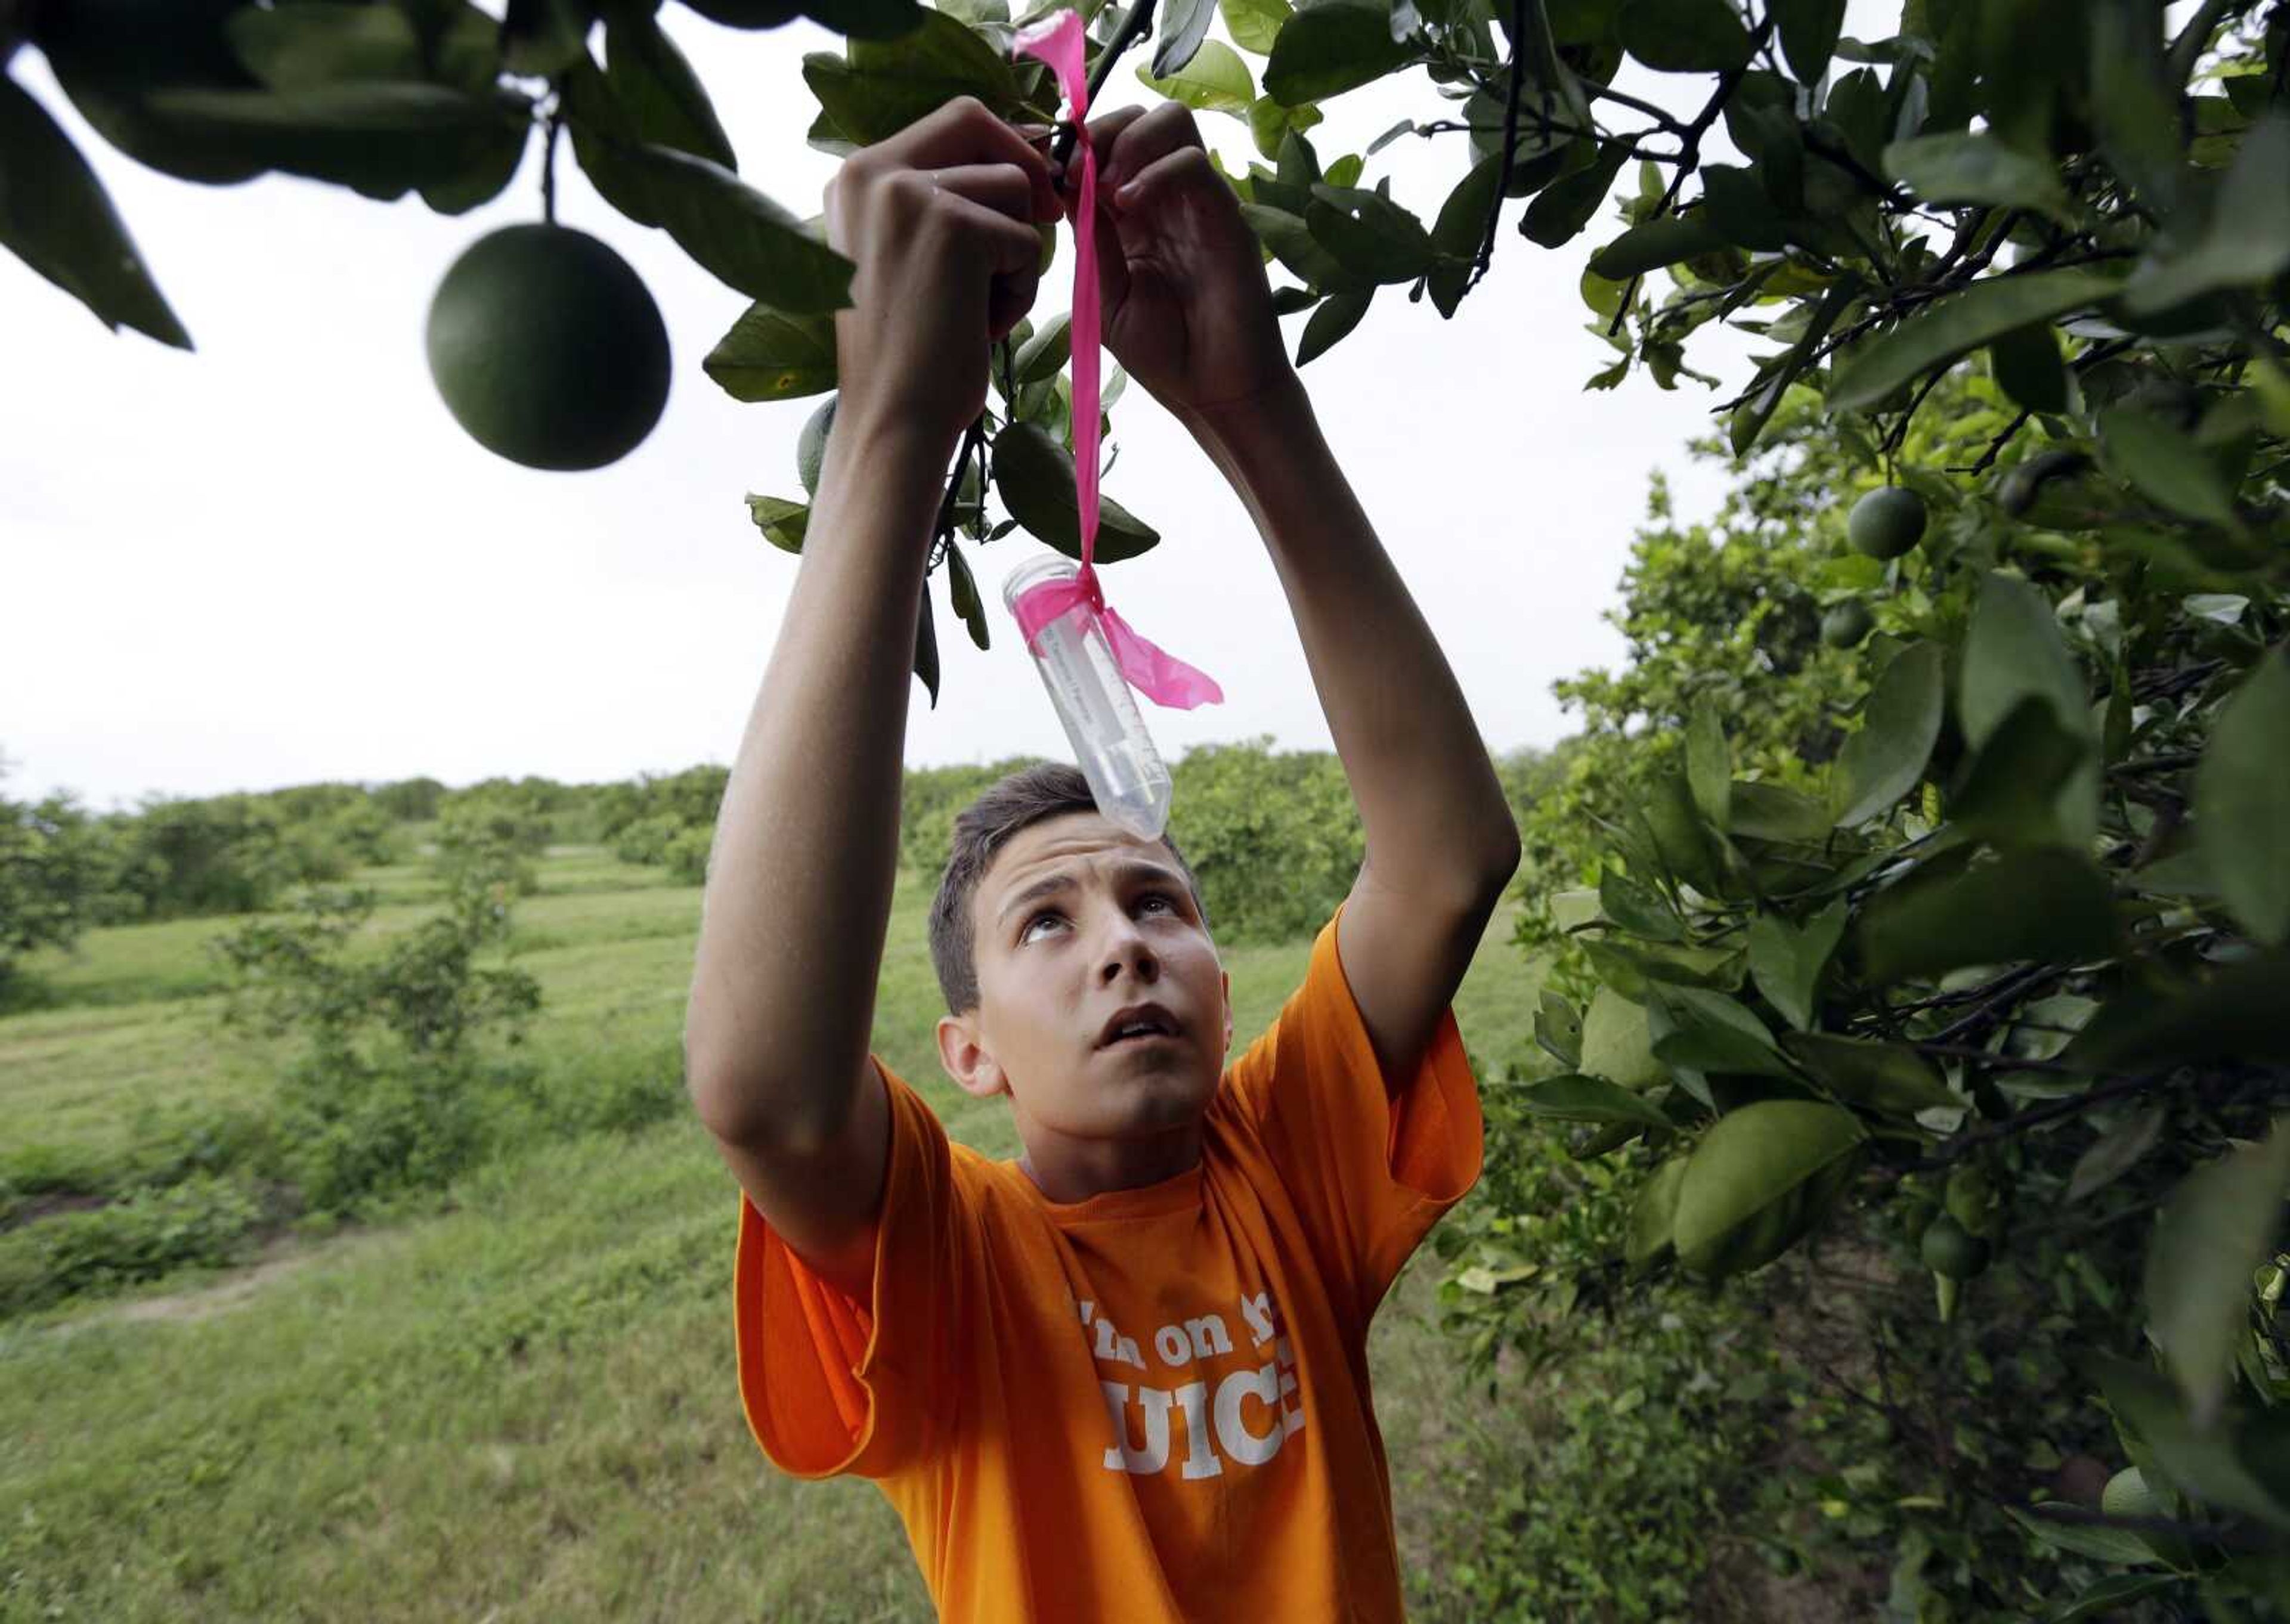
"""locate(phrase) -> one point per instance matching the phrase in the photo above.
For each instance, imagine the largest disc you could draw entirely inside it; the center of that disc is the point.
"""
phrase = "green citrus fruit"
(1887, 522)
(2127, 1494)
(1845, 625)
(811, 445)
(1952, 1252)
(548, 349)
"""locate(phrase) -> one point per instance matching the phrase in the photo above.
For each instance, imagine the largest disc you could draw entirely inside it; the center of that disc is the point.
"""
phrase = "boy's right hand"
(940, 220)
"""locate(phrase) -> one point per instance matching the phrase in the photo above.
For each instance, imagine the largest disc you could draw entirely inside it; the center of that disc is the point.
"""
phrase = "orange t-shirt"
(1151, 1405)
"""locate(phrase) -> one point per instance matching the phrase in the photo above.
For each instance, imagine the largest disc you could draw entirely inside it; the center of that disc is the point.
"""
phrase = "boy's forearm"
(798, 893)
(1433, 810)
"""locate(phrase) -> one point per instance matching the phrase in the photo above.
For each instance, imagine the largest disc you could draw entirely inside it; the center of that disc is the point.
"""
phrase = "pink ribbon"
(1160, 677)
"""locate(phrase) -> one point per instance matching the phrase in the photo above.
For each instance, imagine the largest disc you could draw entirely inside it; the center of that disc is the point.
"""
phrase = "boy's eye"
(1026, 931)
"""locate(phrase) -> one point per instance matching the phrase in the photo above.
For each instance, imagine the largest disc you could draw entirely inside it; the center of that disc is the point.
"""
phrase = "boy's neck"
(1068, 1171)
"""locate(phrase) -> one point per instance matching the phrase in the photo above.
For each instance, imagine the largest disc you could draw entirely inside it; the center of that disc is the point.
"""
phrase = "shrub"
(205, 1219)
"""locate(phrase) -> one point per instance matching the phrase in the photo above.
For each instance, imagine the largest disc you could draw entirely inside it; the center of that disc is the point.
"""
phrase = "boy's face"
(1075, 922)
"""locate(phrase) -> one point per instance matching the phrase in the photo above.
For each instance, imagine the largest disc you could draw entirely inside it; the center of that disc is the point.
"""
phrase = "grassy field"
(523, 1406)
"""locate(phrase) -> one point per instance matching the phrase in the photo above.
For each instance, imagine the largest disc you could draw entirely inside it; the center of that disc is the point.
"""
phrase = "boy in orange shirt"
(1124, 1377)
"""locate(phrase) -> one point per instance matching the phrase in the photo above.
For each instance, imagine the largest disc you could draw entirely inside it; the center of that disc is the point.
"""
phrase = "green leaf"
(1370, 234)
(1685, 35)
(544, 37)
(1563, 209)
(736, 234)
(1678, 834)
(783, 522)
(1883, 762)
(926, 650)
(869, 19)
(2242, 790)
(1184, 24)
(2028, 367)
(2032, 782)
(1786, 962)
(1707, 1031)
(1654, 1215)
(962, 590)
(1333, 47)
(1580, 1098)
(2117, 1546)
(2234, 1014)
(380, 140)
(2202, 1460)
(879, 87)
(1213, 80)
(2045, 904)
(56, 217)
(1559, 1030)
(1293, 244)
(665, 102)
(1809, 30)
(1709, 765)
(2165, 464)
(1463, 219)
(769, 355)
(1639, 908)
(2248, 238)
(1948, 328)
(1255, 25)
(1735, 1203)
(1335, 316)
(2115, 1152)
(1750, 419)
(2104, 1597)
(1270, 123)
(1769, 812)
(2217, 1228)
(1656, 244)
(2013, 651)
(301, 46)
(1045, 350)
(1035, 475)
(1891, 1079)
(1960, 168)
(1615, 1045)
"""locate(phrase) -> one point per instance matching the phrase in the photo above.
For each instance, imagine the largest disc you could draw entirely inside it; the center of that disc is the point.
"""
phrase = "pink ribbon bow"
(1160, 677)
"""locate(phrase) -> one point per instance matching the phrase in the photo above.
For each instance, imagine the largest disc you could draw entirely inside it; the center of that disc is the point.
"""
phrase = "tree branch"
(1689, 156)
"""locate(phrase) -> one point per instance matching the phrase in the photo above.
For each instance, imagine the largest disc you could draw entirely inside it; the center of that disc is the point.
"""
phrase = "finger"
(1008, 299)
(1173, 176)
(1004, 186)
(1103, 133)
(1166, 129)
(1009, 246)
(963, 131)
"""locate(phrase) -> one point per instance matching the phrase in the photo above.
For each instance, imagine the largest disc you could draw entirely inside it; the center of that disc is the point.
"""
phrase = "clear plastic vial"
(1116, 755)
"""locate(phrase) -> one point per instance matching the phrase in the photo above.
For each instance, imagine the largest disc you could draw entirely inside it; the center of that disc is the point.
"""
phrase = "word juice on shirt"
(1241, 1415)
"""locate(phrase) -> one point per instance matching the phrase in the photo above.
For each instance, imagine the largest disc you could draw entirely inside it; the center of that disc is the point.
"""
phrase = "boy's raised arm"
(1189, 312)
(938, 221)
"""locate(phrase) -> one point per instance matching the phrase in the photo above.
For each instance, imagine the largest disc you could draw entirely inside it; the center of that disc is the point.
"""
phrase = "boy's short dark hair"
(1015, 801)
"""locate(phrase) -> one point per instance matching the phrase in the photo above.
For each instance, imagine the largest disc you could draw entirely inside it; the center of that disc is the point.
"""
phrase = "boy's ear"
(974, 1070)
(1226, 975)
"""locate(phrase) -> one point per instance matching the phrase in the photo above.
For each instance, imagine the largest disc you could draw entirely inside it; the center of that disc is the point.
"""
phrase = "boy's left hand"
(1188, 309)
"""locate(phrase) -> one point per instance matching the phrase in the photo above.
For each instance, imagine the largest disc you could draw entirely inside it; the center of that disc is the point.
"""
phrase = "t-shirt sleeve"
(833, 1385)
(1369, 1168)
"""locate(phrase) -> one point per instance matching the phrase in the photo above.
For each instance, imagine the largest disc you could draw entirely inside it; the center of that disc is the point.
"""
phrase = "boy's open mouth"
(1141, 1023)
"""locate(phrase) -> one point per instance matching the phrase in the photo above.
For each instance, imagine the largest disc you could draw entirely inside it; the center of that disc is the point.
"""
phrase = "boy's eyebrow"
(1050, 885)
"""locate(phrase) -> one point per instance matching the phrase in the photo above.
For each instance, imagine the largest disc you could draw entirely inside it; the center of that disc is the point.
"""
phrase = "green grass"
(524, 1407)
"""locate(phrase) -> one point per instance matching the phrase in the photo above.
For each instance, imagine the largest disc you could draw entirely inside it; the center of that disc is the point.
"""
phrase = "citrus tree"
(2014, 942)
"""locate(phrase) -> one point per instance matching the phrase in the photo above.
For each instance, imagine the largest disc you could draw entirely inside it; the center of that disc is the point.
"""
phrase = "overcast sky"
(278, 560)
